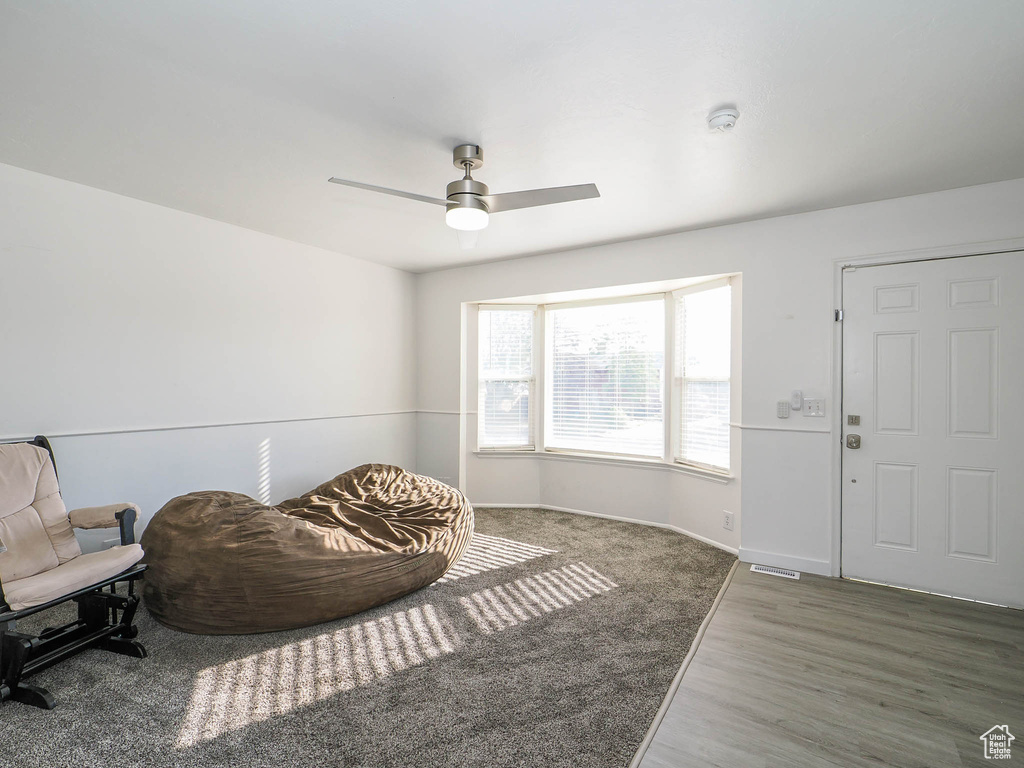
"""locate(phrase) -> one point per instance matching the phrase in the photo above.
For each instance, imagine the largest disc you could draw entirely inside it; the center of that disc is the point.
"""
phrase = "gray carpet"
(552, 643)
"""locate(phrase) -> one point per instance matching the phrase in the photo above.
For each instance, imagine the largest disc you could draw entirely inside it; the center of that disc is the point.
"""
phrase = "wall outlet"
(727, 521)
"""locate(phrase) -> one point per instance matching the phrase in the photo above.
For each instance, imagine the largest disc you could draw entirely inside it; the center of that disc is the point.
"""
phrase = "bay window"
(642, 377)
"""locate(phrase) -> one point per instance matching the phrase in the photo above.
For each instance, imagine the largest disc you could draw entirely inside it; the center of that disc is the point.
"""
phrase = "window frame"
(548, 345)
(532, 410)
(678, 380)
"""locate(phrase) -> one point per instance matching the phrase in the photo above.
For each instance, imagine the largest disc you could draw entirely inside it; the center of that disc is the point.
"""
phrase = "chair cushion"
(29, 492)
(79, 573)
(29, 550)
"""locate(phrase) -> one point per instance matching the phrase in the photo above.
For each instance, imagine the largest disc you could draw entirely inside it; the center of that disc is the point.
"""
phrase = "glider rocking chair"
(42, 566)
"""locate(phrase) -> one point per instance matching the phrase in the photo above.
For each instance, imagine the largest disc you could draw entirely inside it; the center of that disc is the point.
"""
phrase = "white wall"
(126, 325)
(788, 270)
(165, 350)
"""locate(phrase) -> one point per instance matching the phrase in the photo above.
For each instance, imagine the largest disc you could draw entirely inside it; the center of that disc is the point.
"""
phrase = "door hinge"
(839, 315)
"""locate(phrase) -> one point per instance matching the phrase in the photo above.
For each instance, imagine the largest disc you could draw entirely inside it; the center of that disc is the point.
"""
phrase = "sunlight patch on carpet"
(276, 681)
(488, 553)
(506, 605)
(279, 680)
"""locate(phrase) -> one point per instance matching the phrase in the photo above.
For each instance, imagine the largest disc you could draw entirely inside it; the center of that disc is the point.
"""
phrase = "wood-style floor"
(823, 672)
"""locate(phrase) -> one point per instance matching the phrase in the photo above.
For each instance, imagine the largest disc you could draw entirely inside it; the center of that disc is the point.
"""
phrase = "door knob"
(853, 441)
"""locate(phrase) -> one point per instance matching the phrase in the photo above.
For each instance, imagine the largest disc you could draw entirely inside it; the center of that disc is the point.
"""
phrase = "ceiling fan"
(469, 203)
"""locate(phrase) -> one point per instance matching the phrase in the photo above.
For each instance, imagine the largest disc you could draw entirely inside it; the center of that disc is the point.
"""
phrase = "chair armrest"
(121, 516)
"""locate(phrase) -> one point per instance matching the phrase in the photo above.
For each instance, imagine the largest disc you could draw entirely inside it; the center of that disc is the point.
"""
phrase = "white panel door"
(933, 370)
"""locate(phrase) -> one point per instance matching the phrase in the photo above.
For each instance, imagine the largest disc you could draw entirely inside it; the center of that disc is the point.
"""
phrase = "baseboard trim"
(620, 518)
(804, 564)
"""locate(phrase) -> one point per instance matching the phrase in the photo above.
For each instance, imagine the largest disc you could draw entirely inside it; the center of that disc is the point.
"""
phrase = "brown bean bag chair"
(222, 563)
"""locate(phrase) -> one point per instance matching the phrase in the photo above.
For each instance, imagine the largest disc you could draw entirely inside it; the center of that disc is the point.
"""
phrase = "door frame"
(836, 418)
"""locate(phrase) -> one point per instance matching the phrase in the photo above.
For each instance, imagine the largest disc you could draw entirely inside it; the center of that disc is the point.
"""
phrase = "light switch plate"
(814, 406)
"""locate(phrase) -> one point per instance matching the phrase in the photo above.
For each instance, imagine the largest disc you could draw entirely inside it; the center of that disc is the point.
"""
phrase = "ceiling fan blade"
(530, 198)
(386, 191)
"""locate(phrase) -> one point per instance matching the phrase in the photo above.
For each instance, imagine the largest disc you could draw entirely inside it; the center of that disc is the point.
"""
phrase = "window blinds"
(606, 366)
(506, 382)
(703, 348)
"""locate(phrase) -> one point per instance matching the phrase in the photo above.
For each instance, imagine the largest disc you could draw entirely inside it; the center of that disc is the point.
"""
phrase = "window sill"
(597, 458)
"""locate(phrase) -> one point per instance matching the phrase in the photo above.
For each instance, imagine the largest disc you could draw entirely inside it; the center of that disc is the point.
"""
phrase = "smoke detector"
(723, 119)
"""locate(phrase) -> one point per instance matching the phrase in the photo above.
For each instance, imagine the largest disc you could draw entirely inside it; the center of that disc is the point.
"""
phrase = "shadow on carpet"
(551, 643)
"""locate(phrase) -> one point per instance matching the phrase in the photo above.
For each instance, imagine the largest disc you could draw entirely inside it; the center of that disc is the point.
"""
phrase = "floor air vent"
(773, 571)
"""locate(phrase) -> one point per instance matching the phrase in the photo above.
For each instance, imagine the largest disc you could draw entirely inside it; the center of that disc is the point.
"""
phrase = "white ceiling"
(240, 110)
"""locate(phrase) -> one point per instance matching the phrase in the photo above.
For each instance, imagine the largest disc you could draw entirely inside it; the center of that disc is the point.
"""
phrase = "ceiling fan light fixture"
(467, 216)
(467, 240)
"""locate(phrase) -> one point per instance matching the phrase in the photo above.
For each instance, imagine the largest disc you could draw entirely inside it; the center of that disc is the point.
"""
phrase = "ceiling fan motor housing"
(466, 193)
